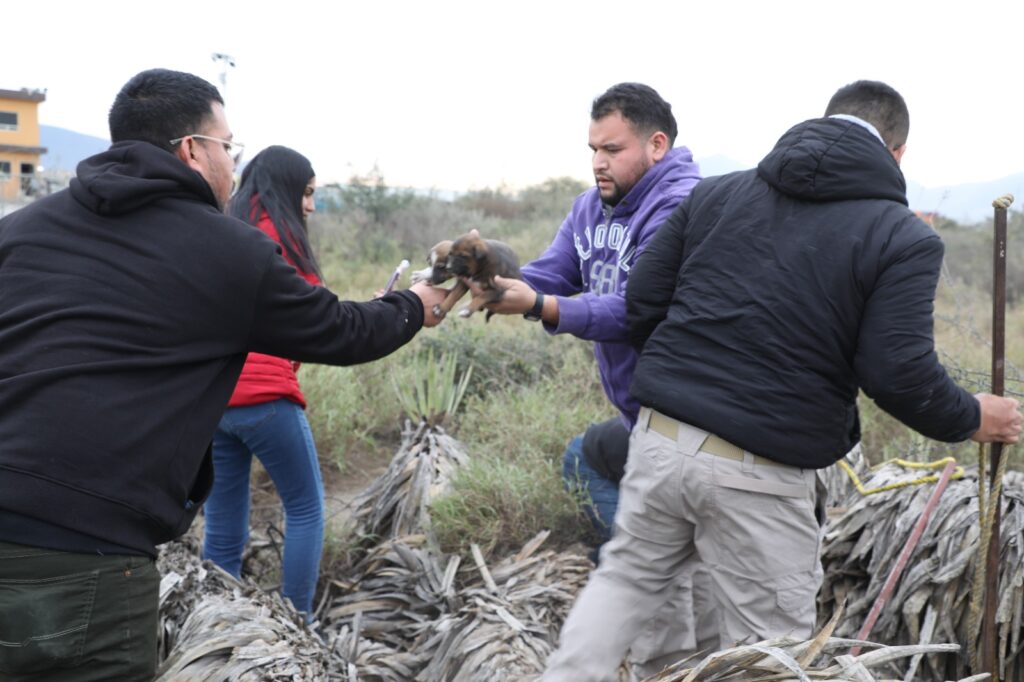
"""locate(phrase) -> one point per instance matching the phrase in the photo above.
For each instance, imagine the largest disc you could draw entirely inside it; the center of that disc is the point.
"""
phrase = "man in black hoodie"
(764, 303)
(127, 306)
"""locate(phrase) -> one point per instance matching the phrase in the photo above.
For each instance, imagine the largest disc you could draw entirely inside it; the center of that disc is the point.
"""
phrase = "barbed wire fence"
(964, 318)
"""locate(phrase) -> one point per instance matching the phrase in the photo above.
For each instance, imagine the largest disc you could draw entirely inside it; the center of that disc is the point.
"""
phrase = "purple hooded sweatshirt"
(591, 256)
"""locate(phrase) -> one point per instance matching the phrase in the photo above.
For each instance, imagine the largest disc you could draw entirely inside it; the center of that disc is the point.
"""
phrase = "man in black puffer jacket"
(761, 307)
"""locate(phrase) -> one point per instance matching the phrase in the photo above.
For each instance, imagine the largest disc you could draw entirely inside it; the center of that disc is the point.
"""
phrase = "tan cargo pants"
(684, 625)
(752, 522)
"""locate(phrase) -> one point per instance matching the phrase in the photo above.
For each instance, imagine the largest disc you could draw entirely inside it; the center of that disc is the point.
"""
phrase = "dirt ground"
(341, 489)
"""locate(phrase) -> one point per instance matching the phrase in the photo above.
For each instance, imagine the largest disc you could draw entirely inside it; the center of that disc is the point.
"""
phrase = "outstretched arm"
(519, 298)
(296, 320)
(896, 363)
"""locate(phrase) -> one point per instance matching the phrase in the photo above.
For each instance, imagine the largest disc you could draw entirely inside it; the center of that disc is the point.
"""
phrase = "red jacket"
(266, 377)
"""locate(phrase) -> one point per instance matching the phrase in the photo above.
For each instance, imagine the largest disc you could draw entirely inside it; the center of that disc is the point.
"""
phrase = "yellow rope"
(1003, 201)
(938, 464)
(978, 582)
(986, 517)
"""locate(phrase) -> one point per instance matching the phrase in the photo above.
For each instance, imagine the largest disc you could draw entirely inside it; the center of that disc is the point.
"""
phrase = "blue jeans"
(601, 496)
(278, 433)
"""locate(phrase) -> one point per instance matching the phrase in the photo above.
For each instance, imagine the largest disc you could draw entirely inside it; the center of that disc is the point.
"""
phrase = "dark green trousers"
(76, 617)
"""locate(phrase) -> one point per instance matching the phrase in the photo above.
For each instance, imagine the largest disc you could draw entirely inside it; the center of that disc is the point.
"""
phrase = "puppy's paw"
(466, 311)
(438, 312)
(420, 275)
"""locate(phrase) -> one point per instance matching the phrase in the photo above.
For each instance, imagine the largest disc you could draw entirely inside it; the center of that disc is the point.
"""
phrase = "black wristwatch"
(533, 314)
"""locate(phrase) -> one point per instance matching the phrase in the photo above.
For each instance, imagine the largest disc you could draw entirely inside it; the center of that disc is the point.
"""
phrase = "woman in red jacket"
(265, 416)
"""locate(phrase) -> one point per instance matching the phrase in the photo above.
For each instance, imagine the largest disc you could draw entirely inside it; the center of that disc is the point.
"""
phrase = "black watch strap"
(533, 313)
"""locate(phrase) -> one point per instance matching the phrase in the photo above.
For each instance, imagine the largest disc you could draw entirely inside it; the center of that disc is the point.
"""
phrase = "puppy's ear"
(439, 252)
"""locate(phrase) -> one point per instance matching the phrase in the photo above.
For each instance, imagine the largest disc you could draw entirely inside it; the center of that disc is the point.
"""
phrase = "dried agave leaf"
(862, 545)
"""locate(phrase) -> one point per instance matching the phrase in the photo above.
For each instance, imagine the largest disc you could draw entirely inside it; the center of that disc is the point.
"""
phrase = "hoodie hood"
(828, 159)
(675, 169)
(132, 174)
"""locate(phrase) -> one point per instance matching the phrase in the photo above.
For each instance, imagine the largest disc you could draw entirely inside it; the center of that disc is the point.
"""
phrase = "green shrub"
(431, 387)
(500, 504)
(353, 412)
(502, 353)
(516, 437)
(536, 421)
(969, 254)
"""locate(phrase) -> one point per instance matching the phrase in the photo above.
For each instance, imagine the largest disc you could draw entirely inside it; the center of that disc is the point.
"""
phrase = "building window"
(28, 172)
(8, 120)
(5, 167)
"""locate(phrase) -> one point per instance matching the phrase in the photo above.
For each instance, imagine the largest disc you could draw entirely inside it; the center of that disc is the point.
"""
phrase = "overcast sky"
(458, 95)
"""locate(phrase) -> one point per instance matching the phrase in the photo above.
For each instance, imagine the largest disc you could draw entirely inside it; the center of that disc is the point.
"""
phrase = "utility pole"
(226, 62)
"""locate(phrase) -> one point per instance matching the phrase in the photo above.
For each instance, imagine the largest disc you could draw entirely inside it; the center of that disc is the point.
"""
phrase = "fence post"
(989, 629)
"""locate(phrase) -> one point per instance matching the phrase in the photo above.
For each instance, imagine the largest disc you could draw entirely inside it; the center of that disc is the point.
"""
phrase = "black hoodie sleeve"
(896, 362)
(652, 281)
(297, 320)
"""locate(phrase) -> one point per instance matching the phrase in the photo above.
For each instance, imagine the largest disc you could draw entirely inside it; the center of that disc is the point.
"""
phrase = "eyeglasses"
(233, 149)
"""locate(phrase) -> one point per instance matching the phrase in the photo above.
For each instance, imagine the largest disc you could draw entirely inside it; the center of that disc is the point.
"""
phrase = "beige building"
(19, 142)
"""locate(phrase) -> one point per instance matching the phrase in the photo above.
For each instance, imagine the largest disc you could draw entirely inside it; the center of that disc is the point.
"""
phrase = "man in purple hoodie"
(578, 285)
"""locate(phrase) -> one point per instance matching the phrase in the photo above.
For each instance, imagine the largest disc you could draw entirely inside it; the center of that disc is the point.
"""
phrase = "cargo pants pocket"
(795, 610)
(44, 623)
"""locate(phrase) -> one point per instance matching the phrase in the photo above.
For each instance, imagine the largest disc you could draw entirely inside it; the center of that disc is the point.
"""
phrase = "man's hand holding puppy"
(431, 297)
(519, 299)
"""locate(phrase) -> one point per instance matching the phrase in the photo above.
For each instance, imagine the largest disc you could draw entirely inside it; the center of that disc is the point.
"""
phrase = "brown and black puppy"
(480, 260)
(472, 257)
(437, 271)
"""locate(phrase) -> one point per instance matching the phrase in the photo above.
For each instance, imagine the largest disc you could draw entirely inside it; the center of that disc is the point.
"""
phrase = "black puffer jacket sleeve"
(895, 363)
(307, 323)
(652, 281)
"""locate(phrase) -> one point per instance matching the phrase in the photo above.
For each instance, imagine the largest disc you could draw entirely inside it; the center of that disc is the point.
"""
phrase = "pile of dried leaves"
(408, 611)
(214, 627)
(413, 613)
(403, 610)
(932, 601)
(821, 658)
(397, 503)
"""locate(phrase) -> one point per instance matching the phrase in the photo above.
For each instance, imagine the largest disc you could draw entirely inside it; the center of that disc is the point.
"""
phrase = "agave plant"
(434, 392)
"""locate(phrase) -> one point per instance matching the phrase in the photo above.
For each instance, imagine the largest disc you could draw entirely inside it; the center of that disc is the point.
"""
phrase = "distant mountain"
(719, 165)
(970, 203)
(966, 204)
(65, 148)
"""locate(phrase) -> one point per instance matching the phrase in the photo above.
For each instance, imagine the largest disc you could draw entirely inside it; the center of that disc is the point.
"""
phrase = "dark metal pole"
(989, 631)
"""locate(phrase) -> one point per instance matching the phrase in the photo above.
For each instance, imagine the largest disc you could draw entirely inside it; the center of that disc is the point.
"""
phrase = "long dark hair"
(274, 181)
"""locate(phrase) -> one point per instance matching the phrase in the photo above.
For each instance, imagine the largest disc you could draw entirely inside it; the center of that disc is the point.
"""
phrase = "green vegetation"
(429, 391)
(528, 393)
